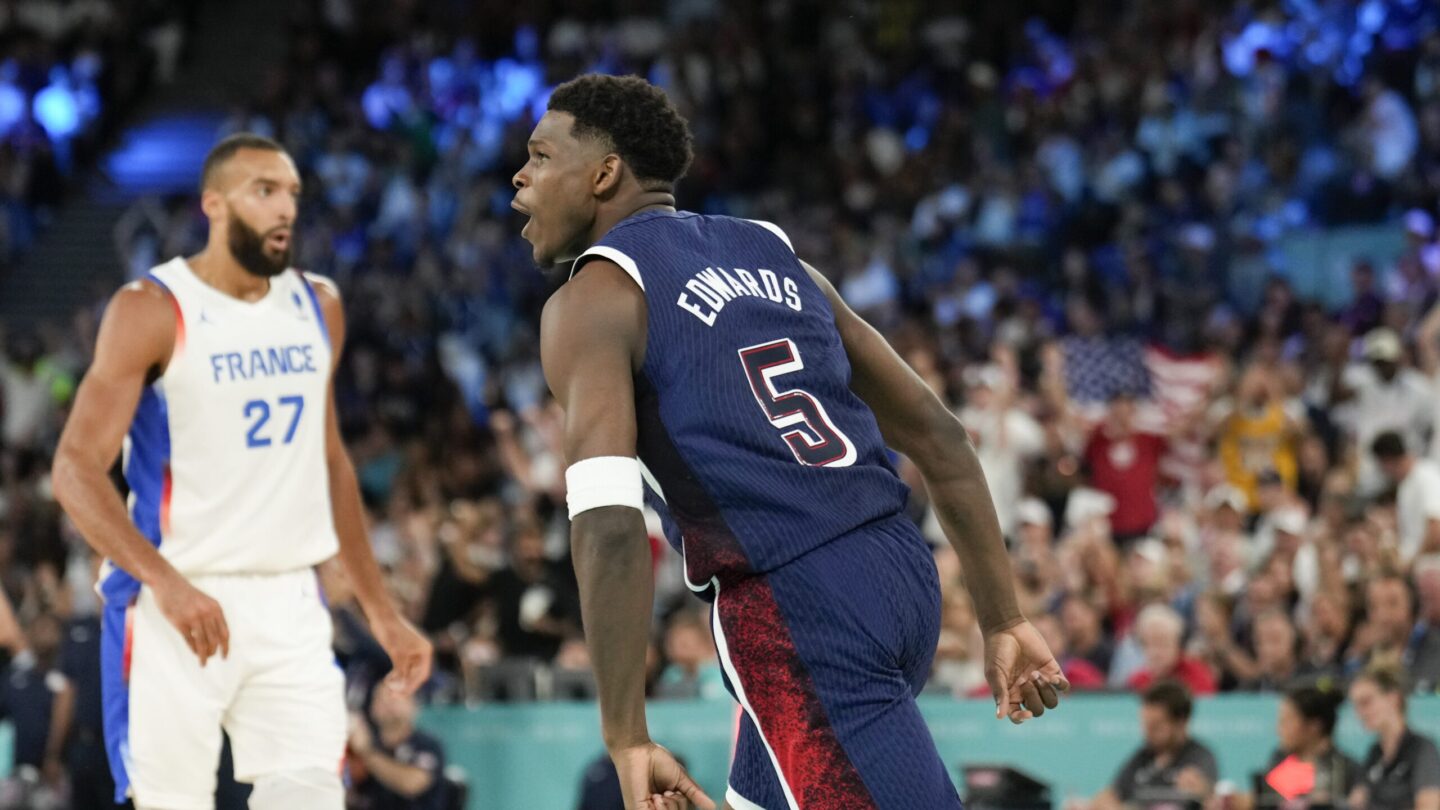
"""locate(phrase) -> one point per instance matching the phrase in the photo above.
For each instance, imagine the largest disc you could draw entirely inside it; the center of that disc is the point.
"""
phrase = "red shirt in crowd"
(1191, 672)
(1127, 469)
(1082, 674)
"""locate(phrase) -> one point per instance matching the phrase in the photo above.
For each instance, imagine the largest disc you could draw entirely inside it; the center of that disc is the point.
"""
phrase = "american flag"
(1099, 368)
(1180, 385)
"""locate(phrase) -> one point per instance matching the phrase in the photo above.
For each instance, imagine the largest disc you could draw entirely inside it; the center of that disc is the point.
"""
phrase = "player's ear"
(607, 175)
(212, 202)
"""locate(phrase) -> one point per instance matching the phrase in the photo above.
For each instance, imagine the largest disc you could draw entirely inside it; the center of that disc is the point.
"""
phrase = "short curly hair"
(633, 117)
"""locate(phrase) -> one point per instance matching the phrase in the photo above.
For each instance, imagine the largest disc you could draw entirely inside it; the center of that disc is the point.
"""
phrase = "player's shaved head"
(221, 154)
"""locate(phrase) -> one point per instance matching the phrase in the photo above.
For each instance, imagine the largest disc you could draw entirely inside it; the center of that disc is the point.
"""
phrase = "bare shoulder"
(140, 305)
(600, 296)
(142, 297)
(139, 327)
(600, 308)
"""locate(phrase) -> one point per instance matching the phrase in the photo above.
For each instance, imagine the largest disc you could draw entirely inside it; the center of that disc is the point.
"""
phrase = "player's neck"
(641, 203)
(219, 270)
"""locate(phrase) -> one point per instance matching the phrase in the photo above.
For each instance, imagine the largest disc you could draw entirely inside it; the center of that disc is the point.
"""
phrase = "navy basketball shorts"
(826, 655)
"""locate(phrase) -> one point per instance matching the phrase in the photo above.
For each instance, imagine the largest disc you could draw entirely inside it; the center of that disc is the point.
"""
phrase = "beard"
(248, 247)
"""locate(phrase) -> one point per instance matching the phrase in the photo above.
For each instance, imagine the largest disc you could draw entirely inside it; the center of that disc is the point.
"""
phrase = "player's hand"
(199, 618)
(1024, 676)
(651, 779)
(409, 652)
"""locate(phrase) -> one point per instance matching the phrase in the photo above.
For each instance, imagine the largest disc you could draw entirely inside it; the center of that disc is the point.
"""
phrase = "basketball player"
(215, 374)
(760, 408)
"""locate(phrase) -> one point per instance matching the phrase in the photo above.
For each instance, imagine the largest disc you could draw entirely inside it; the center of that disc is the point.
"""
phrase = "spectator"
(1402, 768)
(1424, 652)
(1389, 128)
(1382, 396)
(1305, 726)
(692, 671)
(1389, 622)
(1277, 664)
(1081, 674)
(1084, 636)
(1327, 634)
(536, 607)
(1258, 437)
(91, 783)
(1005, 437)
(34, 389)
(39, 700)
(394, 766)
(1169, 761)
(1417, 500)
(1125, 464)
(600, 786)
(1160, 630)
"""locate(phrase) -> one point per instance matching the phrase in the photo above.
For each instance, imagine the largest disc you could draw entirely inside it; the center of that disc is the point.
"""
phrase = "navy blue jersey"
(748, 430)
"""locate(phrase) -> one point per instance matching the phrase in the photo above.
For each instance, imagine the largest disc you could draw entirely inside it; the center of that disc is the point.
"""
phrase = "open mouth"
(515, 204)
(279, 240)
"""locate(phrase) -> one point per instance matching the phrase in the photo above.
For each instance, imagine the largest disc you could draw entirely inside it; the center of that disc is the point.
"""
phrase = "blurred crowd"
(1042, 214)
(66, 68)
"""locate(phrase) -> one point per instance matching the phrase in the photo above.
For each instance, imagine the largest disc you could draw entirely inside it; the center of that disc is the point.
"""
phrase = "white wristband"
(604, 481)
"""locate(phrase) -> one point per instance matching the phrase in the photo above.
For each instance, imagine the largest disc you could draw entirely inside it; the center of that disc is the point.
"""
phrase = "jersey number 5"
(258, 410)
(821, 444)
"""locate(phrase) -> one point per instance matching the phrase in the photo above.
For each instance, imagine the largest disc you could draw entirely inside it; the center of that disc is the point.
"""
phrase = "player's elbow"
(938, 443)
(65, 476)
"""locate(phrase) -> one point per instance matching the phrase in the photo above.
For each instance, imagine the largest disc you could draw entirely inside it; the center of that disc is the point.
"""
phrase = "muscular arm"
(408, 651)
(136, 339)
(592, 339)
(915, 422)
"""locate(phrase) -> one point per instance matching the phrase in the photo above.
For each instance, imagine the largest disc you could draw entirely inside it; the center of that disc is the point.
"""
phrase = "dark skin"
(135, 344)
(592, 343)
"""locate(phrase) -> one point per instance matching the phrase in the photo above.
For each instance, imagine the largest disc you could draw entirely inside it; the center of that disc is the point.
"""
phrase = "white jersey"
(226, 455)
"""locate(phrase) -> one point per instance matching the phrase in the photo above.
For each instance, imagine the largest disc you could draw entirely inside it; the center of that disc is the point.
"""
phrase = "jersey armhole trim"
(179, 316)
(611, 254)
(315, 302)
(775, 229)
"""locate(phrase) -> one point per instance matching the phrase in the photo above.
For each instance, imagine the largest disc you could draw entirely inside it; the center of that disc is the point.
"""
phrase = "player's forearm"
(94, 506)
(355, 552)
(966, 511)
(612, 566)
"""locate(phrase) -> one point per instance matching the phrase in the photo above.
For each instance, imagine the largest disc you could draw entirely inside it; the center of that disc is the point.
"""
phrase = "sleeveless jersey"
(225, 458)
(755, 449)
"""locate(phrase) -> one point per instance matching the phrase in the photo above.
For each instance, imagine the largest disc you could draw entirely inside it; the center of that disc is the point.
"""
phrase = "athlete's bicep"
(137, 336)
(591, 337)
(907, 410)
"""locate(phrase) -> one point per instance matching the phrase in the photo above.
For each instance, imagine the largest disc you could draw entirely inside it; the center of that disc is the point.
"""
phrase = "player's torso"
(233, 433)
(746, 419)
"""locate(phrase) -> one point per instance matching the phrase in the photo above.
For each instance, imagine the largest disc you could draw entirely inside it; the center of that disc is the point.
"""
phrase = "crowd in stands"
(68, 69)
(1202, 478)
